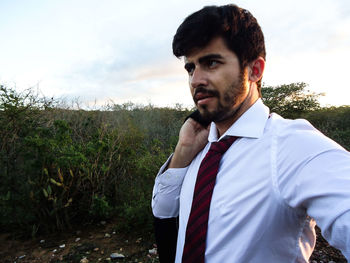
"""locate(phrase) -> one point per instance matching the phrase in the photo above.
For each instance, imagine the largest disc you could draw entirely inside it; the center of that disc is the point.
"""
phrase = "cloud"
(122, 50)
(144, 81)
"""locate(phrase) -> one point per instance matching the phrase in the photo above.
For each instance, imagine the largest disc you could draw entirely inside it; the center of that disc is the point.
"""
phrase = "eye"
(189, 68)
(212, 63)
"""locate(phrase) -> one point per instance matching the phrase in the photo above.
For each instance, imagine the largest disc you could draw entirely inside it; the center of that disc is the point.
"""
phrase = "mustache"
(213, 93)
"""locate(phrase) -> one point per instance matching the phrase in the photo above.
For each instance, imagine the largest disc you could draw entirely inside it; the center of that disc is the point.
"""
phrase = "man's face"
(218, 85)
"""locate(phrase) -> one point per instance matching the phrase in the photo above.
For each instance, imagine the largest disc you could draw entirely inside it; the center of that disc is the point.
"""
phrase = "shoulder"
(298, 138)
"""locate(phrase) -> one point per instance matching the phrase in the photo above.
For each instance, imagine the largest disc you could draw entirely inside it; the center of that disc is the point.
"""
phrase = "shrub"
(334, 122)
(61, 167)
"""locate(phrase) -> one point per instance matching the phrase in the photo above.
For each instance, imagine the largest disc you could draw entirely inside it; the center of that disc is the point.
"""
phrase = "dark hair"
(237, 26)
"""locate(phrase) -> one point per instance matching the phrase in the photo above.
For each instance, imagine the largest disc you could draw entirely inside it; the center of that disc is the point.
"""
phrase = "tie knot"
(223, 145)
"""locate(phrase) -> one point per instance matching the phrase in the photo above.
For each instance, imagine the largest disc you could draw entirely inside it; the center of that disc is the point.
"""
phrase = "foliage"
(19, 118)
(137, 209)
(334, 122)
(61, 167)
(290, 100)
(100, 208)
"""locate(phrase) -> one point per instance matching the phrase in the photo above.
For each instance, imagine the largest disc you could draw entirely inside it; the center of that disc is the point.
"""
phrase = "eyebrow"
(204, 59)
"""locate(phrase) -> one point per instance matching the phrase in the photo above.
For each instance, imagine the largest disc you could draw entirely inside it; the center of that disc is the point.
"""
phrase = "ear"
(256, 69)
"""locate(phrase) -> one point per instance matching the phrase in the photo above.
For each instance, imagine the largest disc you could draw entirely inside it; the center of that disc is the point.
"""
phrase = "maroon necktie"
(197, 225)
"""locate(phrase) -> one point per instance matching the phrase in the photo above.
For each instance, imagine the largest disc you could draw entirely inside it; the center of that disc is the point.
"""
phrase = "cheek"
(227, 84)
(234, 90)
(192, 90)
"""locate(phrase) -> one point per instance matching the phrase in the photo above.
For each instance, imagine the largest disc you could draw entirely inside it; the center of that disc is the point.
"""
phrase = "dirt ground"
(96, 243)
(324, 252)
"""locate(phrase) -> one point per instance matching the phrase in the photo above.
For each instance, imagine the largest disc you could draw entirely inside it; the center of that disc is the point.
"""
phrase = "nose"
(198, 78)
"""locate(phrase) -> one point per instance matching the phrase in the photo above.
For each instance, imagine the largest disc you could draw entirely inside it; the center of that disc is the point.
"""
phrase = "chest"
(243, 184)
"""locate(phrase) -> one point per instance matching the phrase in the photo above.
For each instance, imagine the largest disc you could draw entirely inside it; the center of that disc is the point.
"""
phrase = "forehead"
(216, 46)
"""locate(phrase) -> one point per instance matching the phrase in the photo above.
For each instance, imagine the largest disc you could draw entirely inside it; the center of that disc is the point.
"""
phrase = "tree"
(290, 100)
(334, 122)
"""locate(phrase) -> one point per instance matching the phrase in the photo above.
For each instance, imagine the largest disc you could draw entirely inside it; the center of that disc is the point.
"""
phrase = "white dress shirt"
(274, 183)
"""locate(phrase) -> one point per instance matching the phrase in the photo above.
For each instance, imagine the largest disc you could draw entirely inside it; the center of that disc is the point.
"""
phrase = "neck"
(250, 99)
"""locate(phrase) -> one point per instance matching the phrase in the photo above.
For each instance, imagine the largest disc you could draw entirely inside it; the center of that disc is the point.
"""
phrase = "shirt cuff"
(166, 191)
(171, 176)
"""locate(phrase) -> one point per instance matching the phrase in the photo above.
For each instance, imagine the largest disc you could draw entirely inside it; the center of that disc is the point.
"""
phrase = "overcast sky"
(100, 50)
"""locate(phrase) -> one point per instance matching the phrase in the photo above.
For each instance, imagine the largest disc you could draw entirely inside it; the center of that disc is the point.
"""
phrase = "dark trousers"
(166, 238)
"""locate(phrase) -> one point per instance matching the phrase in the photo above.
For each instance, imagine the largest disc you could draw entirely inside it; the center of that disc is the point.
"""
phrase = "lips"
(202, 96)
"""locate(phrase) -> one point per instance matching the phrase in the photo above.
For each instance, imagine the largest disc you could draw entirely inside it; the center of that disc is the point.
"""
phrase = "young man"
(277, 179)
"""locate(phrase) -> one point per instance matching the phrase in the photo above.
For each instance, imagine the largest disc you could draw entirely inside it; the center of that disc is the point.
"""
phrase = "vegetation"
(294, 101)
(61, 167)
(333, 122)
(290, 100)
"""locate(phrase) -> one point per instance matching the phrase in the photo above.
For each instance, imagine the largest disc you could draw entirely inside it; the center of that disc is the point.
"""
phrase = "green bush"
(290, 100)
(61, 167)
(100, 207)
(334, 122)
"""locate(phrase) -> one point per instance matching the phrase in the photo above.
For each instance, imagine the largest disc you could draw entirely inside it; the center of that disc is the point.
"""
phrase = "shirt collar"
(251, 124)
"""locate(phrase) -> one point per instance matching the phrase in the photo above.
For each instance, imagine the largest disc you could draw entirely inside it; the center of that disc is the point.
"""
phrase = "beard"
(226, 101)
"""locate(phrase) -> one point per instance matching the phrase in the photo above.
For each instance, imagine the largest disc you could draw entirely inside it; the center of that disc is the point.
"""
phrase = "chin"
(217, 115)
(207, 114)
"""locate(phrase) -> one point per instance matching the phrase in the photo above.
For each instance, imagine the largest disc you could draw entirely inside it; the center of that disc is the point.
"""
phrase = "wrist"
(183, 156)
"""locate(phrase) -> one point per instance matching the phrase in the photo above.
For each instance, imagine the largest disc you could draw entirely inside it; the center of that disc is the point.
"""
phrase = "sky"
(103, 51)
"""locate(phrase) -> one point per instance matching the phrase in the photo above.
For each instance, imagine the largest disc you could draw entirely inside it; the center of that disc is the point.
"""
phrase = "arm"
(192, 139)
(327, 196)
(313, 176)
(165, 203)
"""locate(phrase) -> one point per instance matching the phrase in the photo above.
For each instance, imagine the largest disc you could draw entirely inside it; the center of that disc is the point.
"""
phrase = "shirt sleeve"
(324, 190)
(166, 191)
(315, 177)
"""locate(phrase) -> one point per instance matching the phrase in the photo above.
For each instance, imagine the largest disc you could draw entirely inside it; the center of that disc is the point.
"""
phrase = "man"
(277, 179)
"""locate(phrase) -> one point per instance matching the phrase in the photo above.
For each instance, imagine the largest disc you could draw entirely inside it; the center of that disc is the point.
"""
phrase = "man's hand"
(192, 139)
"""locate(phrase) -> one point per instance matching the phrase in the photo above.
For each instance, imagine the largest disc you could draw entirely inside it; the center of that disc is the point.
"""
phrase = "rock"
(84, 260)
(42, 241)
(107, 235)
(152, 251)
(116, 256)
(63, 246)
